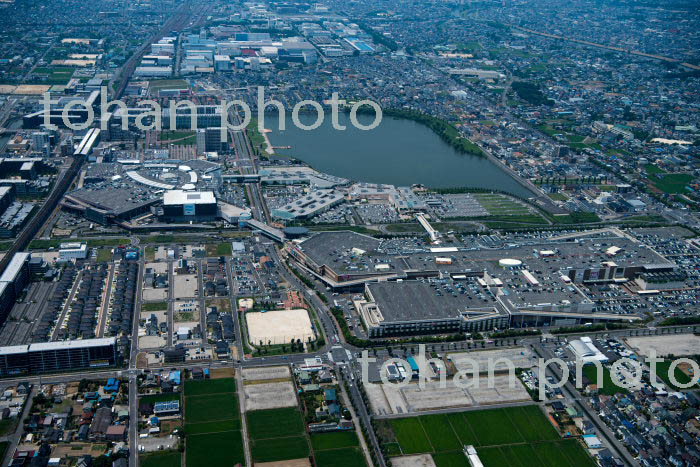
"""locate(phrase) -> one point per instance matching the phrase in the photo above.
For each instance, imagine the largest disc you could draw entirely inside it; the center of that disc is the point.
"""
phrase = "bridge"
(271, 232)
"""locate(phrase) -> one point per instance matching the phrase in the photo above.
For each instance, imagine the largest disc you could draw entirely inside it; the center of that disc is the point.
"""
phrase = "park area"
(671, 183)
(515, 436)
(212, 423)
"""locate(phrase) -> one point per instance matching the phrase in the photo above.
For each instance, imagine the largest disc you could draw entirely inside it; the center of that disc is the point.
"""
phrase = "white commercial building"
(71, 251)
(586, 351)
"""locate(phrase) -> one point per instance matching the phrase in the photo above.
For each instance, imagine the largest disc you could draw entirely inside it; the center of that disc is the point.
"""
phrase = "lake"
(398, 152)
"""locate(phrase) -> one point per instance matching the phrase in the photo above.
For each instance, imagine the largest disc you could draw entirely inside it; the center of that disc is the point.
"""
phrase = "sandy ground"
(150, 294)
(265, 373)
(671, 344)
(185, 285)
(519, 356)
(421, 460)
(260, 396)
(279, 326)
(32, 89)
(151, 342)
(160, 268)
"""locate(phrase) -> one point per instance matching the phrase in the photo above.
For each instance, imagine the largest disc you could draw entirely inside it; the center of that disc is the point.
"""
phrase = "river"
(398, 152)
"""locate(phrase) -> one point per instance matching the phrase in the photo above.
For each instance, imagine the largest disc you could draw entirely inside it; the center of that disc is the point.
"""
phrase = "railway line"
(45, 212)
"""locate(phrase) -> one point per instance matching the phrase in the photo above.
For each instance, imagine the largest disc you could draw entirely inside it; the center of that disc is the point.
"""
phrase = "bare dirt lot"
(279, 326)
(265, 373)
(386, 399)
(672, 344)
(421, 460)
(260, 396)
(520, 357)
(185, 286)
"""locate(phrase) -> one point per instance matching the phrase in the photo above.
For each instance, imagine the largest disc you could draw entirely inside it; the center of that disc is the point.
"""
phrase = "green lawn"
(161, 459)
(279, 449)
(209, 386)
(343, 457)
(214, 449)
(210, 407)
(662, 371)
(671, 183)
(608, 387)
(219, 249)
(275, 423)
(167, 84)
(104, 255)
(155, 306)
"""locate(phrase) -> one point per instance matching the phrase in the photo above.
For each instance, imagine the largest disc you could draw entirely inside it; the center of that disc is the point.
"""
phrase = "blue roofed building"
(166, 408)
(112, 385)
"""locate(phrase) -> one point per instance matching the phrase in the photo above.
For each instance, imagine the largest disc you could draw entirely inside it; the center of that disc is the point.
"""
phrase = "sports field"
(506, 437)
(340, 448)
(212, 423)
(277, 435)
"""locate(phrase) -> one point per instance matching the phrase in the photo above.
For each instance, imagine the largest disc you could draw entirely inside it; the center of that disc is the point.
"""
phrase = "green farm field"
(212, 423)
(275, 423)
(507, 437)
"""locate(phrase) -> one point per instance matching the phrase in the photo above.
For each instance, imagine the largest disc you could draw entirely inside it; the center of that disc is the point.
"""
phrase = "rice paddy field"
(517, 436)
(212, 423)
(278, 435)
(337, 449)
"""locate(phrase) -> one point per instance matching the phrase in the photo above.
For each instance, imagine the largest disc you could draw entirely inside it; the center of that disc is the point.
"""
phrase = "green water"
(398, 152)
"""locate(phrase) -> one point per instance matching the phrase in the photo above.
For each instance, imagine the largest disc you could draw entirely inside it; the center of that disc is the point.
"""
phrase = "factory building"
(179, 205)
(48, 357)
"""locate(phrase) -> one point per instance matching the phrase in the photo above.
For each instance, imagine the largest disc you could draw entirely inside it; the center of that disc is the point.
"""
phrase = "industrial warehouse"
(423, 290)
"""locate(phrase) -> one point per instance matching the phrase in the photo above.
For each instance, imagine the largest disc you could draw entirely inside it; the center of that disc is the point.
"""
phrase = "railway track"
(45, 212)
